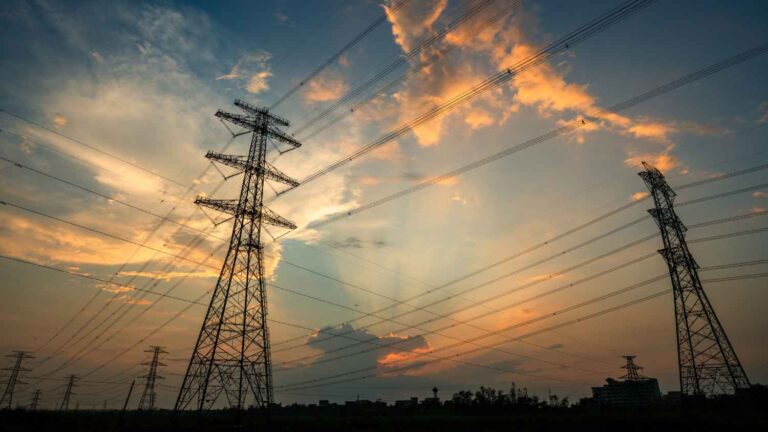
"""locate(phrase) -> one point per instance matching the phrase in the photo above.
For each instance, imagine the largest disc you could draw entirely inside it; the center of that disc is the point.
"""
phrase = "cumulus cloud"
(326, 87)
(381, 351)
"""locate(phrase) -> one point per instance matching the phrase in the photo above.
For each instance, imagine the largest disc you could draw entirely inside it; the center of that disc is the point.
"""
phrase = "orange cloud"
(326, 87)
(545, 89)
(258, 82)
(637, 196)
(664, 161)
(413, 20)
(652, 130)
(478, 119)
(60, 121)
(402, 357)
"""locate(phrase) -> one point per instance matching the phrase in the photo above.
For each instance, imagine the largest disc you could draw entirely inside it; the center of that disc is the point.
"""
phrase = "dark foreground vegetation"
(479, 411)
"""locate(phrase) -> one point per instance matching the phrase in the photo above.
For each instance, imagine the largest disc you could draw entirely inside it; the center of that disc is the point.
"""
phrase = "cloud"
(663, 160)
(281, 17)
(252, 71)
(478, 119)
(326, 87)
(413, 20)
(652, 130)
(60, 121)
(258, 82)
(637, 196)
(358, 243)
(759, 194)
(168, 275)
(392, 349)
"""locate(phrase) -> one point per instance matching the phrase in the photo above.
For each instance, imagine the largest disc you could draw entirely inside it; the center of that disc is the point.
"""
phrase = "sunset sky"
(123, 95)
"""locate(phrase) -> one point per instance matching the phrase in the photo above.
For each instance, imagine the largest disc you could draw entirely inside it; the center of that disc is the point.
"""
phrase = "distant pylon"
(232, 355)
(633, 370)
(6, 400)
(707, 362)
(35, 400)
(148, 396)
(68, 393)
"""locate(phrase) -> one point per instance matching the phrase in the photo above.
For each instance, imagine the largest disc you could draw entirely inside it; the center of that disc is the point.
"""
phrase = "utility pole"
(127, 398)
(35, 400)
(148, 396)
(707, 362)
(6, 400)
(232, 354)
(633, 370)
(68, 393)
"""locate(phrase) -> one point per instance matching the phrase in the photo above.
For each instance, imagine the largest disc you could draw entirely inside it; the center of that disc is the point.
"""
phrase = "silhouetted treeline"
(488, 397)
(485, 409)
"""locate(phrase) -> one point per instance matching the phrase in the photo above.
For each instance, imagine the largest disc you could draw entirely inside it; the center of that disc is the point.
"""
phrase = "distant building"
(637, 392)
(635, 389)
(412, 402)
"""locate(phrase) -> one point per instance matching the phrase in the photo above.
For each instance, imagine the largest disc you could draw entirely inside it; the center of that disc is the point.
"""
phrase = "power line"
(96, 149)
(103, 233)
(149, 236)
(107, 197)
(85, 276)
(84, 161)
(570, 127)
(401, 60)
(382, 18)
(310, 383)
(559, 254)
(522, 287)
(564, 44)
(400, 79)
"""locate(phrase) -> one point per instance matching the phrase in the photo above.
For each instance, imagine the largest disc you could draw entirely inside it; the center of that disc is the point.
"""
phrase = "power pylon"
(35, 400)
(148, 396)
(633, 370)
(6, 401)
(68, 393)
(232, 354)
(708, 363)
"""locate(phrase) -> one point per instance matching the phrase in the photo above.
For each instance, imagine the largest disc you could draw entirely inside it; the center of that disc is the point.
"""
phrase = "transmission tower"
(6, 401)
(707, 362)
(232, 355)
(71, 384)
(148, 396)
(633, 370)
(35, 400)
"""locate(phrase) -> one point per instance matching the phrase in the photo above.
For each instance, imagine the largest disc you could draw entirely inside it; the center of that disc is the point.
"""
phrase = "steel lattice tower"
(633, 370)
(68, 393)
(707, 362)
(6, 401)
(149, 395)
(232, 354)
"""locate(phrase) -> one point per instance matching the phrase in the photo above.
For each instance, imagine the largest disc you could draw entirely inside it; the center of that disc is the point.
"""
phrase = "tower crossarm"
(279, 135)
(241, 163)
(223, 205)
(258, 111)
(275, 174)
(245, 121)
(254, 124)
(230, 206)
(272, 218)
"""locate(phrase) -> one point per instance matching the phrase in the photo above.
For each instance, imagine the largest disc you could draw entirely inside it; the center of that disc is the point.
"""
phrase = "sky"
(123, 94)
